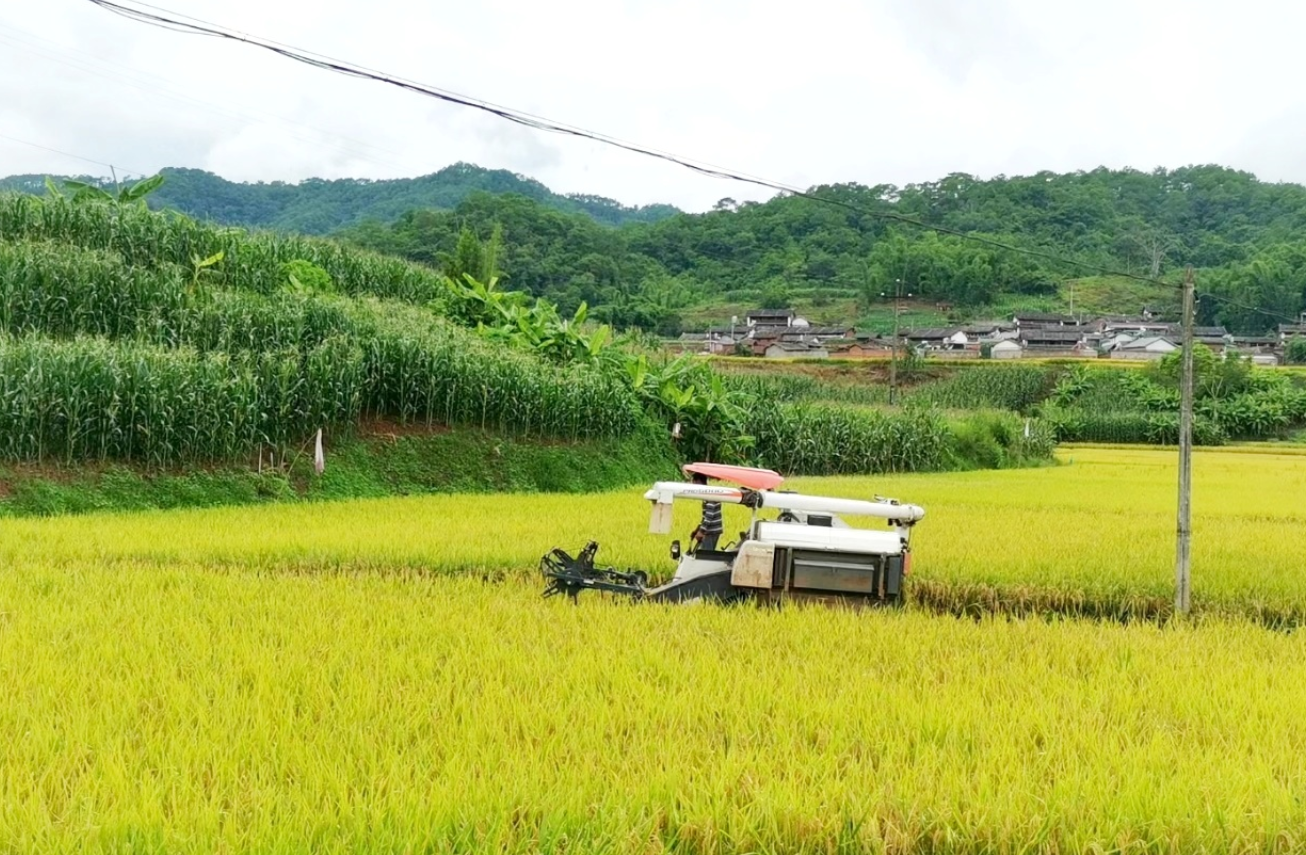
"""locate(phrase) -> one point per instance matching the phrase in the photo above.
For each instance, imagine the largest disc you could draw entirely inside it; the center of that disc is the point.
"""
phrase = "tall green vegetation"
(129, 335)
(1006, 387)
(1295, 351)
(1234, 401)
(91, 399)
(250, 261)
(158, 364)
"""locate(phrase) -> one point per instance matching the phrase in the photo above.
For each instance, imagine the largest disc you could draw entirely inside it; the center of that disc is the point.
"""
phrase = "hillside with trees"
(842, 245)
(1246, 238)
(318, 206)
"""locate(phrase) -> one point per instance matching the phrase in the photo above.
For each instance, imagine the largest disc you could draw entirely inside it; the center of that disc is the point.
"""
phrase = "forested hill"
(655, 267)
(318, 206)
(1247, 238)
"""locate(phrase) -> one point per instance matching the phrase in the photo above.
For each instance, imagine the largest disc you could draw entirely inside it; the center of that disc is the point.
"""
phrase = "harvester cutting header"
(806, 551)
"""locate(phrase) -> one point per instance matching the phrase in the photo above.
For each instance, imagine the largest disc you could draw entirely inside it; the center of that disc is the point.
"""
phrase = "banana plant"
(84, 191)
(201, 266)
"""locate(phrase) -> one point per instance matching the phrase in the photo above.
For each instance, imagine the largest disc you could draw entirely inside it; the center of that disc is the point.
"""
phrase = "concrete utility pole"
(1184, 530)
(893, 358)
(893, 351)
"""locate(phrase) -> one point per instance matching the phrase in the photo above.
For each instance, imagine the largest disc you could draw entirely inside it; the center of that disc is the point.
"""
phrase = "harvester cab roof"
(807, 551)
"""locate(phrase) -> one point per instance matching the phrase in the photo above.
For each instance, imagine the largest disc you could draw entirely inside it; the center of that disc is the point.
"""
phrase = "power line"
(209, 28)
(69, 154)
(128, 76)
(1247, 308)
(179, 23)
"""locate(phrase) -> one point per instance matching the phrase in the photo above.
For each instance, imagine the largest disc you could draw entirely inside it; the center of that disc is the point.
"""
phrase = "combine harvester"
(807, 552)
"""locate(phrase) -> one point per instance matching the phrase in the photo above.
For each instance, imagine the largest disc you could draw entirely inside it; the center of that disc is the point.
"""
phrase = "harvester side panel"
(828, 576)
(893, 573)
(841, 572)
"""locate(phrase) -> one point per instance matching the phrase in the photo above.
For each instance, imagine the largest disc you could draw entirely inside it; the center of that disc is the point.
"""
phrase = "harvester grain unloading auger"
(807, 552)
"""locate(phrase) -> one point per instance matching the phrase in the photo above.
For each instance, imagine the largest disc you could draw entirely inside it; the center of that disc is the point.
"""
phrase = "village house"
(978, 331)
(1007, 348)
(1059, 341)
(1252, 345)
(1113, 340)
(770, 318)
(936, 338)
(1145, 347)
(795, 350)
(772, 332)
(819, 332)
(1042, 319)
(862, 347)
(1134, 327)
(1290, 331)
(1216, 338)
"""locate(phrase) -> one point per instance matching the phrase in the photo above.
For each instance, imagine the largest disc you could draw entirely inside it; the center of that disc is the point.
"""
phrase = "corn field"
(61, 291)
(91, 399)
(106, 361)
(827, 440)
(252, 261)
(434, 373)
(266, 365)
(803, 389)
(1005, 387)
(1083, 425)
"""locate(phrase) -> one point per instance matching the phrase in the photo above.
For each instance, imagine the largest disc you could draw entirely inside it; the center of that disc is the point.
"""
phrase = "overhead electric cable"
(69, 154)
(1278, 316)
(177, 22)
(129, 76)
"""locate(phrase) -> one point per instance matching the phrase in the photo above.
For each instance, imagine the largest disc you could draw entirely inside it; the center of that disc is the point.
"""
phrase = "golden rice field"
(205, 682)
(1093, 535)
(192, 710)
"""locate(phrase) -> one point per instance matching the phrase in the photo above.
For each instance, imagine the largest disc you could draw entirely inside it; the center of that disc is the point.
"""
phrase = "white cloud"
(881, 91)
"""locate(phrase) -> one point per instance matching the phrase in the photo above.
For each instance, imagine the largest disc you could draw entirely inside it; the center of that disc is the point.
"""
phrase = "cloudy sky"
(874, 91)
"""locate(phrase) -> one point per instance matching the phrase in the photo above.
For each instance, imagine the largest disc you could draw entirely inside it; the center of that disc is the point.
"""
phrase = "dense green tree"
(1296, 350)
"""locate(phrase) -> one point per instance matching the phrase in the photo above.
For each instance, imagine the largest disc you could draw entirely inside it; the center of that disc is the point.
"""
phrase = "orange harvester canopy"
(755, 479)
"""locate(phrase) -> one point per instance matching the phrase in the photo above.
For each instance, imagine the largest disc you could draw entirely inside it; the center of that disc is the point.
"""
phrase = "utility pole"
(893, 351)
(1184, 530)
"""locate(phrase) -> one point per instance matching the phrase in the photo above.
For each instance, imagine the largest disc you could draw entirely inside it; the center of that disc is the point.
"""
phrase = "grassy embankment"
(383, 460)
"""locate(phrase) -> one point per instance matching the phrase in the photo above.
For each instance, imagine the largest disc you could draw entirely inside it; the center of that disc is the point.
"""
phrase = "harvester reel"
(570, 576)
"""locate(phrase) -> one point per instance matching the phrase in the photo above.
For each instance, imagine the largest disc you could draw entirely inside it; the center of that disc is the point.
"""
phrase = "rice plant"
(187, 709)
(1094, 535)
